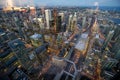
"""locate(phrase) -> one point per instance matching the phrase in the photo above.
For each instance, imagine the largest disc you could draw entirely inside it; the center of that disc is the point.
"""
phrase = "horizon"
(79, 3)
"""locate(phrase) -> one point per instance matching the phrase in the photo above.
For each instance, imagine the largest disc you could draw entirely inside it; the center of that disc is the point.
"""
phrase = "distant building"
(48, 18)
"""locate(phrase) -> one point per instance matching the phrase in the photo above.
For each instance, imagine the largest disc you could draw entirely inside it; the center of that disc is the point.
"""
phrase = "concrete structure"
(37, 40)
(82, 43)
(58, 61)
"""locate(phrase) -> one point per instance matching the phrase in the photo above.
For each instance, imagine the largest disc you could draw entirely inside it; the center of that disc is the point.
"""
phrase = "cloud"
(96, 4)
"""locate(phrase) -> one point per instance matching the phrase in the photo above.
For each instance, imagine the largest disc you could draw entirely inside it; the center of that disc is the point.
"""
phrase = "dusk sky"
(64, 2)
(78, 2)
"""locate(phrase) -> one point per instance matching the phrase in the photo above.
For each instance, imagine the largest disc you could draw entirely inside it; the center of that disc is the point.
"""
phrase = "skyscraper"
(55, 19)
(83, 22)
(108, 39)
(62, 16)
(70, 22)
(48, 17)
(74, 21)
(59, 22)
(108, 64)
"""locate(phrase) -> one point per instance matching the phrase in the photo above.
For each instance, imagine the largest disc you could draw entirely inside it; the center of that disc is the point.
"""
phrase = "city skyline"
(59, 40)
(114, 3)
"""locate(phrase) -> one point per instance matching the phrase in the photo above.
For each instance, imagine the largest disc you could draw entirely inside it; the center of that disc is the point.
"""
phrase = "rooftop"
(36, 36)
(82, 42)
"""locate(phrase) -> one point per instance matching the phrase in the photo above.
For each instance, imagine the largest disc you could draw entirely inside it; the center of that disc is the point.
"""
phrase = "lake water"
(117, 21)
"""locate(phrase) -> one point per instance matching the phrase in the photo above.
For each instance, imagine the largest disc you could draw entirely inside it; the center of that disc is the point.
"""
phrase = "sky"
(78, 2)
(63, 2)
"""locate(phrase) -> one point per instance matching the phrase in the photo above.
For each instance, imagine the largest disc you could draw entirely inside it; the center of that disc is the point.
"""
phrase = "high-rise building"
(41, 22)
(59, 23)
(89, 21)
(83, 22)
(74, 22)
(48, 18)
(108, 39)
(70, 22)
(52, 25)
(55, 14)
(62, 16)
(108, 64)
